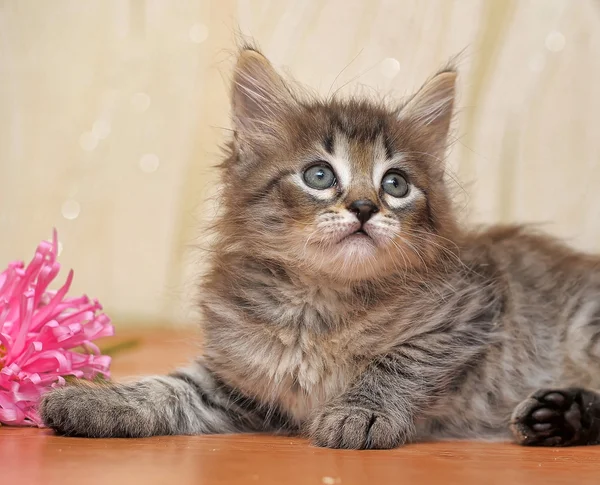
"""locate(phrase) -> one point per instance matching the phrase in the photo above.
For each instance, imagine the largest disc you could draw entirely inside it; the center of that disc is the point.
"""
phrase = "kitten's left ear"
(259, 95)
(430, 110)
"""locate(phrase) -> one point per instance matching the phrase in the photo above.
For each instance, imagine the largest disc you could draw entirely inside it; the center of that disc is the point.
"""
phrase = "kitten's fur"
(421, 330)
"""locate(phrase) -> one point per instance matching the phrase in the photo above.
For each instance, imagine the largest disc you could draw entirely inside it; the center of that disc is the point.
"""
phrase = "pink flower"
(44, 336)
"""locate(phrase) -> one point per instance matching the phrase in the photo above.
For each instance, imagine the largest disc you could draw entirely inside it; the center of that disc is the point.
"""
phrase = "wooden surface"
(32, 456)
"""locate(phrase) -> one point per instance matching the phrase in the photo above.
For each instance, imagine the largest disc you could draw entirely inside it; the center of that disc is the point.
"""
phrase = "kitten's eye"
(394, 184)
(319, 177)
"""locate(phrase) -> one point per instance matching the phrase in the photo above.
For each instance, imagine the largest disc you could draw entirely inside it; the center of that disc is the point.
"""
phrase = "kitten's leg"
(380, 410)
(191, 401)
(558, 417)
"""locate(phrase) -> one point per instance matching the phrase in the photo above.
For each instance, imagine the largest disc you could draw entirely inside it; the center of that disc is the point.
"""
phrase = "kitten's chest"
(304, 373)
(307, 355)
(292, 344)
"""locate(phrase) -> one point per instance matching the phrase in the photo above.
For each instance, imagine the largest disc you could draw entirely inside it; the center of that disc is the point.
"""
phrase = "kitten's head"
(352, 189)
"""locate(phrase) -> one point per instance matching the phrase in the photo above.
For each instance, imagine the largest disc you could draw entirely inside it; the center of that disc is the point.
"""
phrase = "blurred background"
(112, 112)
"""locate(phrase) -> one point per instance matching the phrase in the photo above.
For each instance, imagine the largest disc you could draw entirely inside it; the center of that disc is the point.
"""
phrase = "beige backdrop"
(111, 112)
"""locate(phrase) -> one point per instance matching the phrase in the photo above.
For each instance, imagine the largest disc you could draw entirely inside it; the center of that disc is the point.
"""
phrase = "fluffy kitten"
(345, 303)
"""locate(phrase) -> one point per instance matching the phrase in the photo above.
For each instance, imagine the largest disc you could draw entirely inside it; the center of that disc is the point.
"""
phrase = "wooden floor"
(32, 456)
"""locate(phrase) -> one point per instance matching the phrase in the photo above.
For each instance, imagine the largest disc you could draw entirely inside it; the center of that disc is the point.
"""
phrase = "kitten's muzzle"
(363, 209)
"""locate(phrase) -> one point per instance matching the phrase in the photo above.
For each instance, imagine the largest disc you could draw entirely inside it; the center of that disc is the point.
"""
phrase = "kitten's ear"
(259, 95)
(430, 110)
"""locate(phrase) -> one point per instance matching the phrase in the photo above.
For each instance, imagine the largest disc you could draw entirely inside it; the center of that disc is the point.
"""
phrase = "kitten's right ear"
(430, 110)
(259, 95)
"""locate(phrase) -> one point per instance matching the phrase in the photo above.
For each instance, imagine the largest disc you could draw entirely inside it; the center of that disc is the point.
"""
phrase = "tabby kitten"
(345, 303)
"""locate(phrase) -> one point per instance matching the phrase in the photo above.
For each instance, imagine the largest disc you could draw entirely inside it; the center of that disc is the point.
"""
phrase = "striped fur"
(416, 329)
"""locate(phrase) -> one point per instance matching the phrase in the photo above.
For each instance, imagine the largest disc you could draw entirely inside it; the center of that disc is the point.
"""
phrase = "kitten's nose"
(363, 209)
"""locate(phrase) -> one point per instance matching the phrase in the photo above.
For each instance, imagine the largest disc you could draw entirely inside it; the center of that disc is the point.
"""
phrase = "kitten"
(345, 303)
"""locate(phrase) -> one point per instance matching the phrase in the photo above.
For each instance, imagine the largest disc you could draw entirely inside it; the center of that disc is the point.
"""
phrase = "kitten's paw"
(350, 427)
(87, 411)
(550, 418)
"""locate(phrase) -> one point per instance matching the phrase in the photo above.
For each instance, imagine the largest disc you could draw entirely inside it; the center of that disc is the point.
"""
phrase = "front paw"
(351, 427)
(86, 411)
